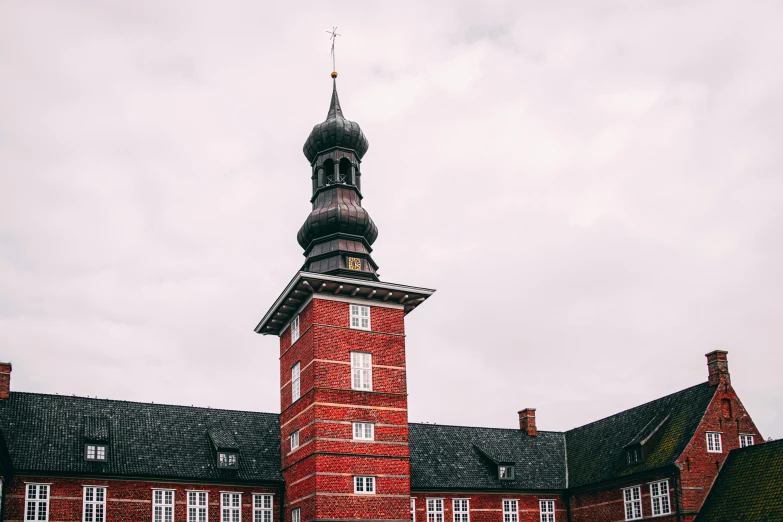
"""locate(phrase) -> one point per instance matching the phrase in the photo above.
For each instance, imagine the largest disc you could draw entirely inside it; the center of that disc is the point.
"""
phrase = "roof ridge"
(637, 406)
(480, 427)
(64, 396)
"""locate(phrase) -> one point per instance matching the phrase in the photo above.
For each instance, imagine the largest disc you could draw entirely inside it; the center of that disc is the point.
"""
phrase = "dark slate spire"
(338, 234)
(334, 108)
(336, 131)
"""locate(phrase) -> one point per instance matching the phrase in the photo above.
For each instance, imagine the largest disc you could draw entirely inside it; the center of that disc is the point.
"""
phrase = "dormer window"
(506, 472)
(634, 455)
(95, 452)
(228, 460)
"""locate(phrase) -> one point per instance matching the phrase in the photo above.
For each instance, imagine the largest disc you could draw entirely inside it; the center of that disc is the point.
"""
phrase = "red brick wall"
(319, 473)
(5, 380)
(605, 504)
(126, 500)
(488, 507)
(698, 467)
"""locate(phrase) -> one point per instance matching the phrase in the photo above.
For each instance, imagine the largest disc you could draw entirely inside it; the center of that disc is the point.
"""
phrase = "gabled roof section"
(45, 433)
(596, 450)
(224, 439)
(96, 429)
(749, 487)
(447, 457)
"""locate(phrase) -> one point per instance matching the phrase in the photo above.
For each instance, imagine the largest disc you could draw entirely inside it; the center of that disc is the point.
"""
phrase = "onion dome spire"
(338, 234)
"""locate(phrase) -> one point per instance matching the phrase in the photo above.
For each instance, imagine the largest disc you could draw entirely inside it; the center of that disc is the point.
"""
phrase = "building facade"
(342, 449)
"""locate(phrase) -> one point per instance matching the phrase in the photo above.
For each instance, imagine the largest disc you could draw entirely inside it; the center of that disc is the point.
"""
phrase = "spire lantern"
(338, 234)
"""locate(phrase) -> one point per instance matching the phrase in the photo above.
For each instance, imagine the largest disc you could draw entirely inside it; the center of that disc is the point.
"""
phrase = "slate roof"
(596, 450)
(46, 433)
(749, 487)
(446, 457)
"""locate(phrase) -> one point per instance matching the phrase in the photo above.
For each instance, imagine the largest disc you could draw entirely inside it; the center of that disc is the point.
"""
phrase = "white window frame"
(294, 440)
(360, 317)
(90, 494)
(435, 510)
(458, 513)
(659, 499)
(263, 508)
(195, 507)
(632, 498)
(295, 329)
(413, 509)
(714, 444)
(162, 508)
(510, 510)
(295, 382)
(364, 485)
(230, 506)
(546, 509)
(745, 440)
(363, 431)
(296, 515)
(37, 500)
(361, 371)
(95, 452)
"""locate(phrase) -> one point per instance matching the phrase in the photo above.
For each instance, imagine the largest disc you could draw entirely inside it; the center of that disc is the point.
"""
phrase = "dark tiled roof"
(749, 487)
(46, 433)
(596, 450)
(446, 457)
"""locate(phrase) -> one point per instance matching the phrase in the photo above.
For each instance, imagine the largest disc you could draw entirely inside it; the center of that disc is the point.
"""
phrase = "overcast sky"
(594, 188)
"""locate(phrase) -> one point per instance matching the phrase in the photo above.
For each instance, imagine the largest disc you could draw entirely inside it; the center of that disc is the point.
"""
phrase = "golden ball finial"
(334, 74)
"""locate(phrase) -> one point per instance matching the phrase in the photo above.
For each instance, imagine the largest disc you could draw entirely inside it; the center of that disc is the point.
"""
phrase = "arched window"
(345, 171)
(328, 172)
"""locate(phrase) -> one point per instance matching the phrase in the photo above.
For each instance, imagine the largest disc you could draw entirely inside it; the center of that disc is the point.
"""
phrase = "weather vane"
(333, 37)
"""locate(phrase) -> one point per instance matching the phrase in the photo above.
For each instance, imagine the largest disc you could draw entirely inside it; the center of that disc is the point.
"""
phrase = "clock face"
(354, 263)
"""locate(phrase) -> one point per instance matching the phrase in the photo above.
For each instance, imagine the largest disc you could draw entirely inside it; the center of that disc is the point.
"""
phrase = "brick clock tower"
(343, 393)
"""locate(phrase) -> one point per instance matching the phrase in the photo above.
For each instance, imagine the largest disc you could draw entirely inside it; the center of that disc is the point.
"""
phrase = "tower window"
(329, 172)
(360, 317)
(632, 499)
(95, 452)
(345, 171)
(363, 431)
(295, 329)
(295, 383)
(364, 485)
(745, 440)
(294, 440)
(361, 371)
(413, 509)
(713, 443)
(296, 515)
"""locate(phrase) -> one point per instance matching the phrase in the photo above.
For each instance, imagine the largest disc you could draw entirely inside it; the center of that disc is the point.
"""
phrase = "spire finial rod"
(333, 34)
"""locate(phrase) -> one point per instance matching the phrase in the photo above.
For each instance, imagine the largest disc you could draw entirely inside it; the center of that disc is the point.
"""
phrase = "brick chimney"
(5, 380)
(527, 421)
(718, 366)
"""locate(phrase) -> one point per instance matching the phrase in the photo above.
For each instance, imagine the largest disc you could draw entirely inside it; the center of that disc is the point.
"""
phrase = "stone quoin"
(342, 449)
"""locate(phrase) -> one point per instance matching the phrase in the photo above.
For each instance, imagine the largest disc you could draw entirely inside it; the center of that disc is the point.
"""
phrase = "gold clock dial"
(354, 263)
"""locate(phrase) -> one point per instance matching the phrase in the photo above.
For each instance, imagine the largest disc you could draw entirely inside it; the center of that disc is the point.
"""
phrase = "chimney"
(718, 366)
(5, 380)
(527, 421)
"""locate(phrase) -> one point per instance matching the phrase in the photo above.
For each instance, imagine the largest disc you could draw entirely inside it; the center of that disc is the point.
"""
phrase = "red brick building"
(342, 448)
